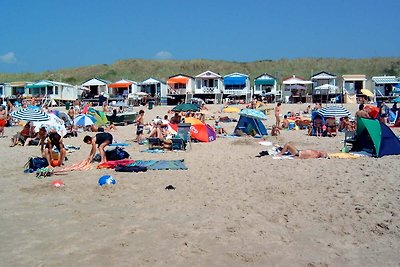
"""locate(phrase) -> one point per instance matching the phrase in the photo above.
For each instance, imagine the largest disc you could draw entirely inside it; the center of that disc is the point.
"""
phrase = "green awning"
(39, 84)
(265, 82)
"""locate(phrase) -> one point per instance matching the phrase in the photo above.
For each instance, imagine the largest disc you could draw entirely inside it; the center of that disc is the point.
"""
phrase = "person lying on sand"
(302, 154)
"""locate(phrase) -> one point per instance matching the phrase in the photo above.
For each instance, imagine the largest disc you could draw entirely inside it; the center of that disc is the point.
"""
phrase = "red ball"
(55, 163)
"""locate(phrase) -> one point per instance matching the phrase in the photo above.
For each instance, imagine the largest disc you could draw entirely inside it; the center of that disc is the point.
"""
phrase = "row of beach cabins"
(212, 88)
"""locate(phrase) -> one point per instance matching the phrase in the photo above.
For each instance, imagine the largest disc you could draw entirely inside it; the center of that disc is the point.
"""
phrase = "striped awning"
(385, 80)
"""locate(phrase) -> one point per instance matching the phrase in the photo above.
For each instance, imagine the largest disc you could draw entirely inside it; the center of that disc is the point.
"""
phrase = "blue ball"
(107, 179)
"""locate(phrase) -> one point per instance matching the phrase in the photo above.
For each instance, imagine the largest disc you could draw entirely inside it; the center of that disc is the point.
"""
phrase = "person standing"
(140, 126)
(3, 120)
(277, 114)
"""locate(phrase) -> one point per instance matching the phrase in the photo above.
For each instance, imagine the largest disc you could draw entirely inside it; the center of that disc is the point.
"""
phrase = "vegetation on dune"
(140, 69)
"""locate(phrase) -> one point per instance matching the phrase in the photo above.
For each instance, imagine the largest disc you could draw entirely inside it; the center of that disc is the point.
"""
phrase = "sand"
(229, 208)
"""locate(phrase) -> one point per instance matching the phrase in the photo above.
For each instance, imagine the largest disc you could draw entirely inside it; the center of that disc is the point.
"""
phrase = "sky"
(48, 35)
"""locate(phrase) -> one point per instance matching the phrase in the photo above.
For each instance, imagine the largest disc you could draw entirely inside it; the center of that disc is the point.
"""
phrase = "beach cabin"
(265, 85)
(295, 90)
(209, 87)
(324, 88)
(95, 87)
(51, 92)
(352, 85)
(156, 89)
(15, 89)
(383, 87)
(122, 88)
(237, 85)
(180, 88)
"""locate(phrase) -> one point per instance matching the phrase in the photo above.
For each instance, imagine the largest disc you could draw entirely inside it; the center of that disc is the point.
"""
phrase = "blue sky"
(49, 35)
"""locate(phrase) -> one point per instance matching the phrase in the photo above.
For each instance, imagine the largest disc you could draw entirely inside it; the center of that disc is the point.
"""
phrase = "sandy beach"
(229, 208)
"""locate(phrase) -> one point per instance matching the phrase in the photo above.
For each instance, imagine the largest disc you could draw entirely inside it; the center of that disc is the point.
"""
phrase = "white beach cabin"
(237, 85)
(209, 87)
(384, 86)
(352, 85)
(96, 86)
(180, 88)
(265, 85)
(122, 88)
(154, 88)
(324, 88)
(295, 90)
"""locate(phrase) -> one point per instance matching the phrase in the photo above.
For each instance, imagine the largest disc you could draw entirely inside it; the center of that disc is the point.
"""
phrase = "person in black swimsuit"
(101, 139)
(54, 140)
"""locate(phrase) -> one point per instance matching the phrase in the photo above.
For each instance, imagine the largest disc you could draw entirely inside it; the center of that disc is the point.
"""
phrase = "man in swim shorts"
(102, 139)
(302, 154)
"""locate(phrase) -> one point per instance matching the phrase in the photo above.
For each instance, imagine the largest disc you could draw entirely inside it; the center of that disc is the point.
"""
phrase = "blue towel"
(118, 144)
(161, 164)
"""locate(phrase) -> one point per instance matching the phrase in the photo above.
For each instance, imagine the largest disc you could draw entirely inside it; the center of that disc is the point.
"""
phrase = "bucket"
(292, 125)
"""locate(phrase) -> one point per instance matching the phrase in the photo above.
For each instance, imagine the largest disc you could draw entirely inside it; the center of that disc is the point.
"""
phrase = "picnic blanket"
(161, 164)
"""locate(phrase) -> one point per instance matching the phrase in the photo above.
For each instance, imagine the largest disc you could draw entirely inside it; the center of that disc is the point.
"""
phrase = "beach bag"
(117, 154)
(35, 163)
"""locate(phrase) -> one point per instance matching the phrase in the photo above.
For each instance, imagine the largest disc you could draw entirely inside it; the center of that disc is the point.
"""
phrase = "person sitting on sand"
(35, 140)
(331, 128)
(275, 131)
(285, 122)
(302, 154)
(157, 131)
(101, 139)
(26, 132)
(54, 158)
(219, 129)
(176, 118)
(307, 110)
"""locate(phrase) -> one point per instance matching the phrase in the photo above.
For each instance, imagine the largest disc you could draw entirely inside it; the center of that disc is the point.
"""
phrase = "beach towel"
(343, 156)
(161, 164)
(111, 164)
(119, 144)
(83, 165)
(154, 151)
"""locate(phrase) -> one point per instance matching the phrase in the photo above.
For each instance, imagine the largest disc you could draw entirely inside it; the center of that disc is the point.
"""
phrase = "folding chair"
(182, 137)
(349, 138)
(155, 142)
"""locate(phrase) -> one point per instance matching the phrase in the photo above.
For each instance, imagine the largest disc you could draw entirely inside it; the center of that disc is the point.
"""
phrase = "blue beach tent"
(251, 126)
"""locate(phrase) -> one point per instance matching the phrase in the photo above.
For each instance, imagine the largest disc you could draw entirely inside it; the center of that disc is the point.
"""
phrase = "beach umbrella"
(53, 124)
(30, 114)
(169, 126)
(367, 92)
(231, 110)
(253, 113)
(84, 120)
(186, 107)
(334, 111)
(201, 131)
(62, 115)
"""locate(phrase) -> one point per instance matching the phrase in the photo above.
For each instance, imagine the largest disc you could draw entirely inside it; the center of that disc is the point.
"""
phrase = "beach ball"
(55, 163)
(58, 183)
(107, 179)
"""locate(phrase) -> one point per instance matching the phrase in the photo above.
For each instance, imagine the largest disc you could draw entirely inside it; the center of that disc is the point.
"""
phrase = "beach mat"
(161, 164)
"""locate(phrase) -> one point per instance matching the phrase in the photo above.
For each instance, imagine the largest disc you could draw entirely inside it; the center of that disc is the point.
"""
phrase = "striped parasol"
(84, 120)
(334, 111)
(30, 114)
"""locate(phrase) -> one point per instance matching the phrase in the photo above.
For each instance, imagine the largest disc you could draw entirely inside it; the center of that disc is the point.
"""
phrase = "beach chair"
(155, 143)
(349, 139)
(182, 137)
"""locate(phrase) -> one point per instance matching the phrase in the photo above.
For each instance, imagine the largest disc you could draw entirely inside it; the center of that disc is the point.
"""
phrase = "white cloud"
(8, 58)
(163, 55)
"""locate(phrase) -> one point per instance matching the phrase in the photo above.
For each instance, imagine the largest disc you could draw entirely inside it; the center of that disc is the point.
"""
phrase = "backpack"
(35, 163)
(117, 154)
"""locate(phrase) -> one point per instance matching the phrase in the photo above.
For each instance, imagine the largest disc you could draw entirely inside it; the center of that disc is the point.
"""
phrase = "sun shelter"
(251, 126)
(376, 138)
